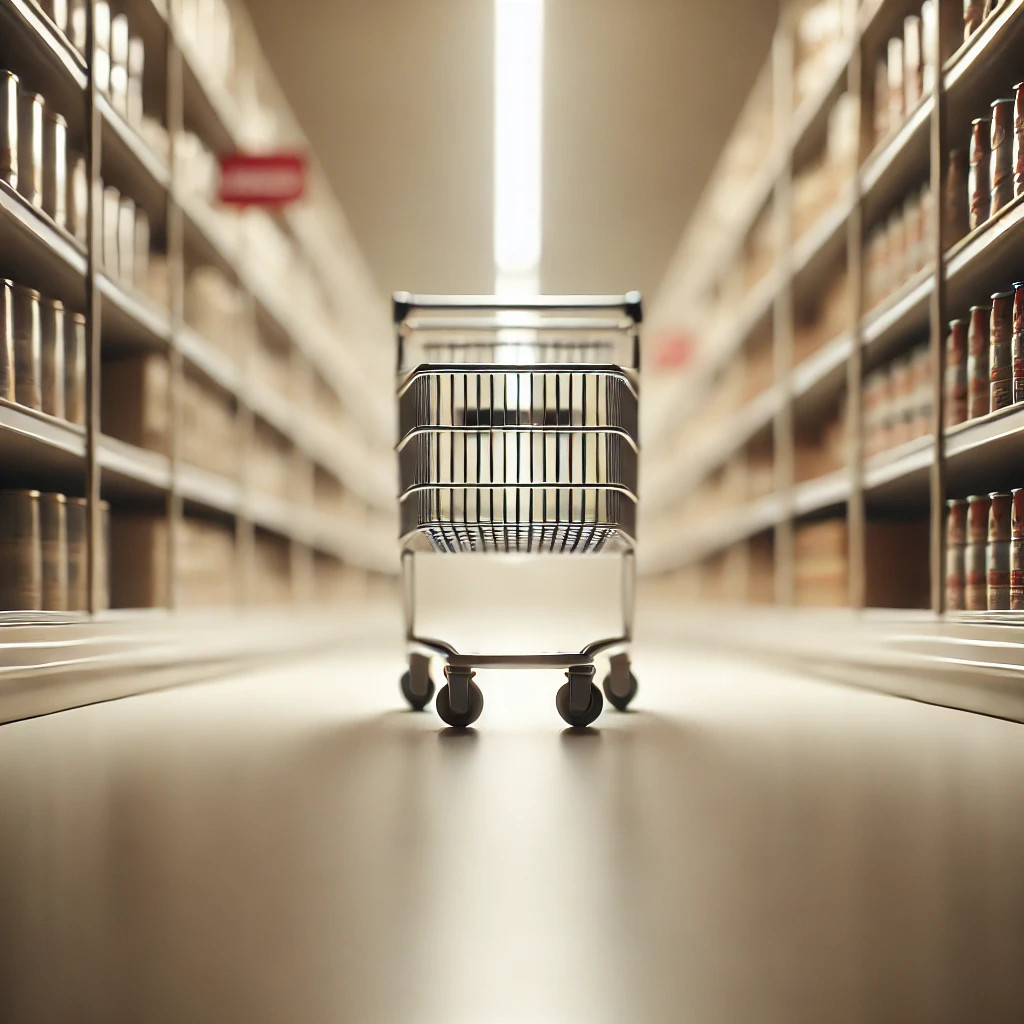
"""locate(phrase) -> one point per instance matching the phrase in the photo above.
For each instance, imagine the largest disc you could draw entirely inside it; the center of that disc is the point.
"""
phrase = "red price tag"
(267, 179)
(674, 350)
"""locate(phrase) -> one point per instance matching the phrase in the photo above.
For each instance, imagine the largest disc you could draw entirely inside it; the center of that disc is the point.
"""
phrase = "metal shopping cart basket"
(518, 434)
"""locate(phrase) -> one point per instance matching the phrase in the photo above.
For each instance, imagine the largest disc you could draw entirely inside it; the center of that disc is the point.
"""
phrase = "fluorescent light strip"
(518, 74)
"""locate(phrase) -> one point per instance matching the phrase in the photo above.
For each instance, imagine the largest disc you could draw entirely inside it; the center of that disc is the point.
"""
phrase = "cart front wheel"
(416, 701)
(459, 719)
(579, 718)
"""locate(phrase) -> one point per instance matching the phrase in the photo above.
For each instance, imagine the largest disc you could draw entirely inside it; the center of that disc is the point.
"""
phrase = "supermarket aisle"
(288, 846)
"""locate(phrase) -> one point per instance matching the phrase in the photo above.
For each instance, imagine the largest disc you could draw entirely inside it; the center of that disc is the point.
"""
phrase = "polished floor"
(289, 846)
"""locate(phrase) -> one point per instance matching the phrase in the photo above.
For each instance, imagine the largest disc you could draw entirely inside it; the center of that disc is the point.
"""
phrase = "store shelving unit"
(351, 447)
(912, 480)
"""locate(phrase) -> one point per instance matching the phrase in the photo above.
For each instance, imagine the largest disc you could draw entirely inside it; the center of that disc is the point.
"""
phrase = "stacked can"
(52, 349)
(978, 383)
(1001, 145)
(55, 168)
(9, 128)
(956, 373)
(1000, 351)
(956, 539)
(7, 388)
(978, 180)
(53, 530)
(956, 219)
(997, 557)
(1017, 551)
(975, 563)
(74, 368)
(27, 354)
(1017, 342)
(1018, 139)
(21, 570)
(30, 147)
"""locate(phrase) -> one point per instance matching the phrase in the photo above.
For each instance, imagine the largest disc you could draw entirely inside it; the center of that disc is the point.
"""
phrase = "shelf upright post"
(857, 507)
(938, 148)
(783, 63)
(175, 114)
(94, 521)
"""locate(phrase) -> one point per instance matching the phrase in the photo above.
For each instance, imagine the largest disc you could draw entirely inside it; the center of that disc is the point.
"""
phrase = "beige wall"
(396, 97)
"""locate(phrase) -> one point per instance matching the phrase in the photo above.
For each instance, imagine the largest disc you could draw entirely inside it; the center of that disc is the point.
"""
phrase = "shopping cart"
(518, 434)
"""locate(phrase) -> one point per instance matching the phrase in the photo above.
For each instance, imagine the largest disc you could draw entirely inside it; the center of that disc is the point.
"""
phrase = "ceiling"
(396, 98)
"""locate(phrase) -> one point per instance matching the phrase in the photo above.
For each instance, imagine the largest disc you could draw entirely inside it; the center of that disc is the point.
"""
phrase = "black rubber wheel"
(617, 702)
(444, 708)
(416, 702)
(579, 720)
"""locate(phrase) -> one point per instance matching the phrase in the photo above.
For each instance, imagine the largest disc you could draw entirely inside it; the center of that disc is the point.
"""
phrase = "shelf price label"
(262, 179)
(674, 350)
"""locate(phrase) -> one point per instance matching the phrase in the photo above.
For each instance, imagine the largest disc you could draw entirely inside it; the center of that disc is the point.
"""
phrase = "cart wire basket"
(518, 433)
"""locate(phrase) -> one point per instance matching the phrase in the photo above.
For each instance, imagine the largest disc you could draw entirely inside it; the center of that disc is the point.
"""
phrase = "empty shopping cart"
(518, 434)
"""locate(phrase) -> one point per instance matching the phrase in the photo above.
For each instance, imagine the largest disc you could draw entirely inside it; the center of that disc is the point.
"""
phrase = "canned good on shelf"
(78, 554)
(103, 559)
(136, 67)
(74, 367)
(956, 539)
(111, 221)
(1018, 139)
(1017, 342)
(998, 554)
(956, 219)
(53, 529)
(51, 348)
(141, 248)
(78, 198)
(978, 385)
(30, 146)
(27, 355)
(956, 373)
(76, 23)
(126, 240)
(978, 187)
(894, 59)
(9, 128)
(21, 569)
(119, 63)
(913, 61)
(1000, 351)
(7, 370)
(975, 561)
(55, 167)
(882, 126)
(929, 44)
(1017, 551)
(101, 37)
(1001, 144)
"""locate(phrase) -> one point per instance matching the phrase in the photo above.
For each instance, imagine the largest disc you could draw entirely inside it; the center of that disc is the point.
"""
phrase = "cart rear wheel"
(459, 720)
(583, 718)
(620, 696)
(416, 701)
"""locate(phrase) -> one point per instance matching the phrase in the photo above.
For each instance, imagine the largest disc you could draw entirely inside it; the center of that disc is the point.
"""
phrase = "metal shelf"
(988, 259)
(811, 118)
(822, 492)
(899, 163)
(212, 364)
(986, 453)
(901, 475)
(129, 320)
(901, 314)
(132, 472)
(822, 374)
(210, 490)
(39, 450)
(129, 162)
(818, 250)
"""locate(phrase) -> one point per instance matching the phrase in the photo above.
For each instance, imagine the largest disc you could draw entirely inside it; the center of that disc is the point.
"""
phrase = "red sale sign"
(266, 179)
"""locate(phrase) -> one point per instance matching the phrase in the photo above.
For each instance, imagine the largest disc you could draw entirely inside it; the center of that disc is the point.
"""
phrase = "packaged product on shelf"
(956, 212)
(9, 127)
(27, 355)
(974, 13)
(1000, 351)
(209, 428)
(55, 167)
(956, 373)
(913, 62)
(135, 401)
(126, 240)
(30, 146)
(53, 532)
(101, 36)
(119, 63)
(111, 221)
(896, 71)
(140, 242)
(76, 22)
(1017, 551)
(997, 557)
(929, 40)
(273, 581)
(51, 356)
(978, 384)
(7, 386)
(978, 187)
(881, 109)
(1017, 342)
(78, 198)
(1018, 139)
(1001, 145)
(975, 563)
(136, 66)
(21, 568)
(921, 394)
(956, 539)
(74, 367)
(78, 555)
(215, 308)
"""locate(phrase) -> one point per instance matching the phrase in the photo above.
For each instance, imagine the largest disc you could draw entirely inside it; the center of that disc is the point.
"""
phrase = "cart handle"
(404, 303)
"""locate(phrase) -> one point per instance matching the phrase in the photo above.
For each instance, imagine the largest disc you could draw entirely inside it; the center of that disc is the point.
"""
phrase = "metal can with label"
(1001, 144)
(1001, 351)
(975, 563)
(977, 362)
(9, 88)
(78, 554)
(51, 335)
(956, 539)
(53, 528)
(7, 370)
(74, 368)
(998, 554)
(55, 167)
(21, 570)
(978, 187)
(1017, 342)
(27, 361)
(78, 198)
(136, 66)
(1017, 551)
(955, 220)
(30, 146)
(1018, 139)
(956, 373)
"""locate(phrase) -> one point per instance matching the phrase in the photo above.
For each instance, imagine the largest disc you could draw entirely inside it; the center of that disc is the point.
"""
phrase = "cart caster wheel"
(620, 686)
(579, 719)
(459, 719)
(416, 701)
